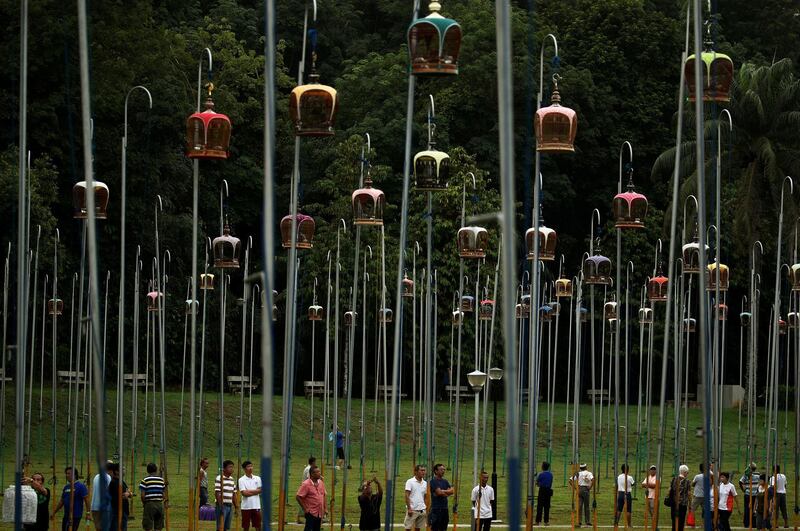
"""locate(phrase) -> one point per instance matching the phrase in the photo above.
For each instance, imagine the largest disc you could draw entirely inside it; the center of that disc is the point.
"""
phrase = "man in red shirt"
(312, 498)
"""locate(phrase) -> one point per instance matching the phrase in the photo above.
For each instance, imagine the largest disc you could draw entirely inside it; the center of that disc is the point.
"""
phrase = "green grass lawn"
(305, 442)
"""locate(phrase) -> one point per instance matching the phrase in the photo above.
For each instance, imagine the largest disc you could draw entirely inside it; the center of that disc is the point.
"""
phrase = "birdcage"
(434, 43)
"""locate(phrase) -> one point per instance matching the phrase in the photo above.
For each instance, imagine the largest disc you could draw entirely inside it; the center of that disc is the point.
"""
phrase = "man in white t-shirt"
(625, 483)
(780, 493)
(482, 498)
(585, 481)
(416, 506)
(250, 489)
(698, 494)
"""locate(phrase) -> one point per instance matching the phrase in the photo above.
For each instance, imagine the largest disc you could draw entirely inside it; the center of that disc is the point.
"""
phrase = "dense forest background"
(620, 64)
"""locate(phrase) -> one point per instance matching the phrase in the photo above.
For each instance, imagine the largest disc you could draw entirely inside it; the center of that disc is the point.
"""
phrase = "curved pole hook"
(343, 225)
(369, 248)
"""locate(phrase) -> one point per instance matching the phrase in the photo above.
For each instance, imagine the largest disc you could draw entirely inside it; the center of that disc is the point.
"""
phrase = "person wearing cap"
(749, 485)
(650, 483)
(625, 483)
(778, 481)
(583, 480)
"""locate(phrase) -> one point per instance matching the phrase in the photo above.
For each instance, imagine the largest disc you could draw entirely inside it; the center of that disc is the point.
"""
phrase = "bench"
(313, 387)
(240, 384)
(3, 377)
(71, 377)
(601, 394)
(466, 392)
(127, 379)
(387, 391)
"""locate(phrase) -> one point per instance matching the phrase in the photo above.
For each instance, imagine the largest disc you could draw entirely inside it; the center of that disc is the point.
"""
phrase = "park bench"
(141, 379)
(312, 387)
(238, 384)
(466, 392)
(70, 377)
(601, 394)
(386, 391)
(3, 377)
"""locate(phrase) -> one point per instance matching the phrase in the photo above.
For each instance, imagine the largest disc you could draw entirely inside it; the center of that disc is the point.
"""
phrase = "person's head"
(419, 471)
(204, 463)
(777, 469)
(109, 466)
(438, 470)
(312, 460)
(702, 468)
(723, 477)
(314, 472)
(484, 478)
(753, 467)
(624, 469)
(762, 481)
(652, 470)
(152, 468)
(227, 467)
(71, 473)
(583, 466)
(545, 465)
(366, 488)
(683, 470)
(247, 466)
(38, 477)
(113, 470)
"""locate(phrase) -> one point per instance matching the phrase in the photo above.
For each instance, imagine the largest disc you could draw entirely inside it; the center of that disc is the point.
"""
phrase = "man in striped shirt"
(151, 490)
(225, 493)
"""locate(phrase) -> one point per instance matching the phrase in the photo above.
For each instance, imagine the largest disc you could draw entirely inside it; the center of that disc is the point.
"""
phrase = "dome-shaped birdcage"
(368, 205)
(630, 208)
(794, 277)
(690, 254)
(690, 325)
(793, 318)
(305, 226)
(721, 311)
(724, 274)
(226, 249)
(658, 287)
(155, 301)
(610, 311)
(546, 313)
(457, 317)
(190, 306)
(555, 126)
(548, 239)
(434, 43)
(645, 315)
(472, 242)
(55, 307)
(597, 270)
(584, 315)
(717, 71)
(385, 315)
(313, 107)
(350, 318)
(431, 170)
(745, 318)
(521, 311)
(100, 200)
(315, 313)
(782, 326)
(563, 287)
(208, 133)
(408, 286)
(486, 310)
(467, 303)
(207, 281)
(556, 306)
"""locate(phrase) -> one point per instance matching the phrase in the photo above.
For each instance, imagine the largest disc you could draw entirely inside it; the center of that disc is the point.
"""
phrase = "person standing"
(250, 489)
(416, 506)
(625, 483)
(584, 480)
(339, 446)
(482, 498)
(749, 485)
(764, 505)
(370, 504)
(42, 523)
(679, 497)
(78, 496)
(202, 475)
(117, 502)
(650, 483)
(545, 482)
(778, 482)
(440, 491)
(312, 461)
(151, 490)
(698, 493)
(727, 500)
(101, 505)
(312, 498)
(225, 495)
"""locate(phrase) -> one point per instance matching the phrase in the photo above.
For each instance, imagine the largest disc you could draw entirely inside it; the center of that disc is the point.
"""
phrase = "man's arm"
(408, 501)
(300, 501)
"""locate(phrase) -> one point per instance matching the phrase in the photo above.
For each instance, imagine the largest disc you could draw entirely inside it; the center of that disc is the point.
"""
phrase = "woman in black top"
(42, 503)
(370, 506)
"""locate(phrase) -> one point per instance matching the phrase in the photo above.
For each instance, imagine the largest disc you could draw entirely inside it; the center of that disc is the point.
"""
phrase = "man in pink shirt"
(312, 498)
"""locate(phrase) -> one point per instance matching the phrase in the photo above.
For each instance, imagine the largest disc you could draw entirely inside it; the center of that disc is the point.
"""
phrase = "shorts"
(153, 515)
(439, 519)
(417, 520)
(251, 517)
(697, 503)
(340, 453)
(623, 499)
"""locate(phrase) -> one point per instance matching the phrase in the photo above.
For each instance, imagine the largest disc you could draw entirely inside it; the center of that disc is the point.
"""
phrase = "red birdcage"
(208, 133)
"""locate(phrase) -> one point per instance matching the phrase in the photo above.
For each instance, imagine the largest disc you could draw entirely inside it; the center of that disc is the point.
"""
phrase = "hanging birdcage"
(721, 311)
(226, 249)
(467, 303)
(155, 301)
(548, 238)
(368, 204)
(305, 227)
(472, 242)
(556, 308)
(385, 316)
(782, 327)
(55, 307)
(563, 287)
(313, 106)
(100, 200)
(610, 311)
(315, 313)
(191, 306)
(793, 318)
(645, 315)
(690, 325)
(545, 313)
(486, 310)
(350, 318)
(583, 313)
(408, 286)
(711, 283)
(717, 71)
(521, 312)
(630, 208)
(745, 318)
(434, 43)
(555, 126)
(691, 256)
(658, 287)
(794, 277)
(208, 133)
(207, 281)
(457, 317)
(597, 270)
(431, 170)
